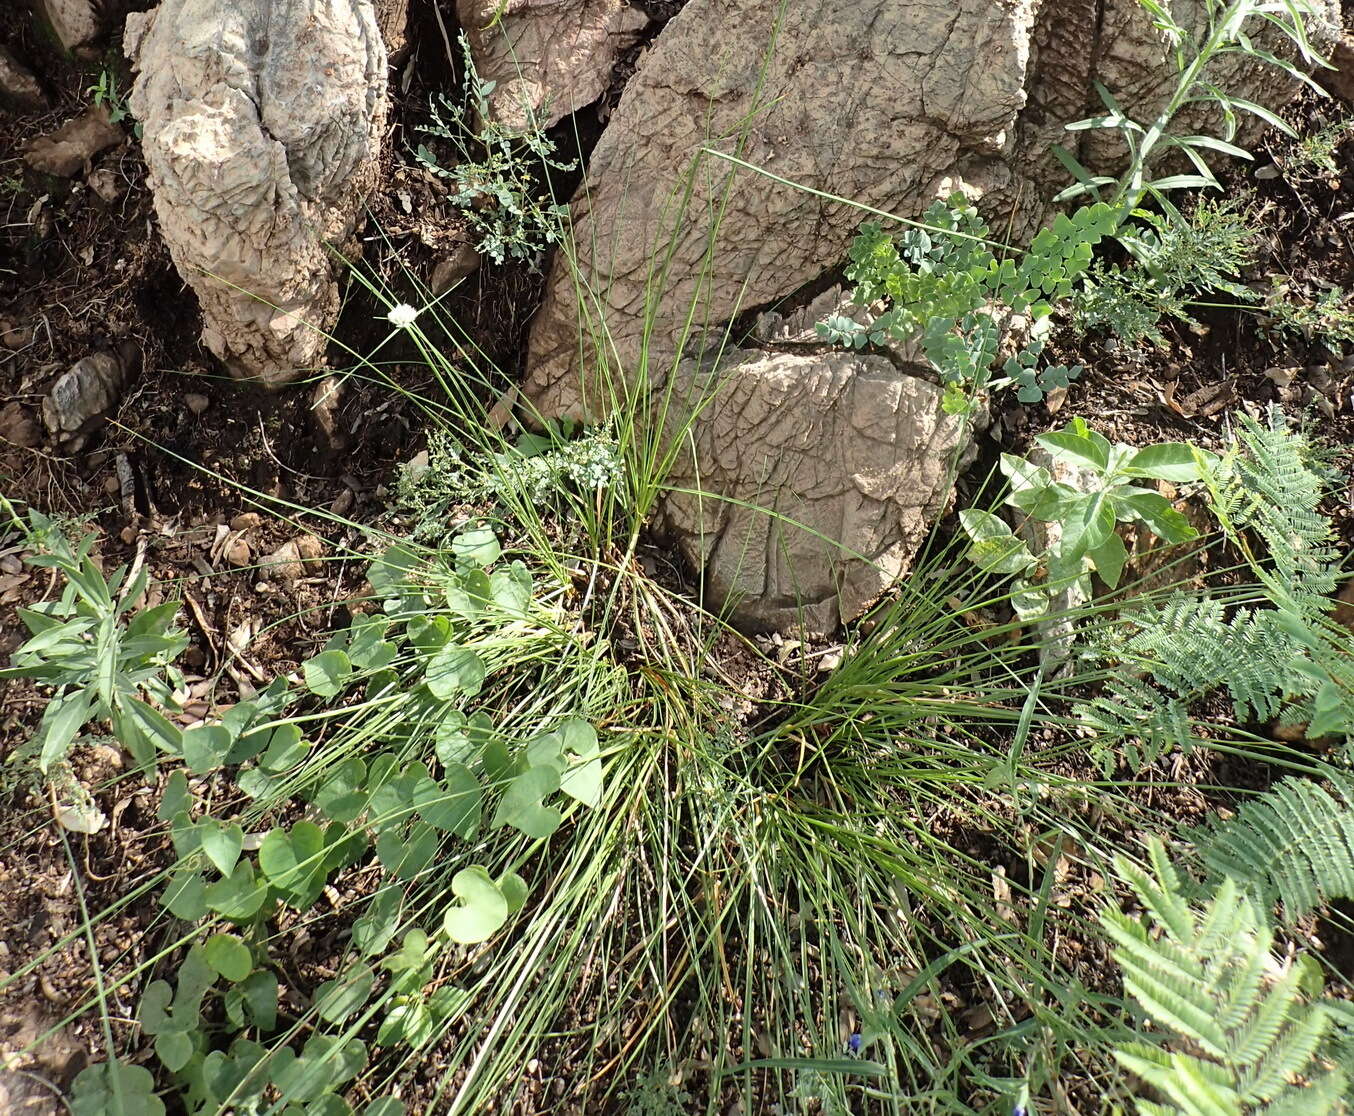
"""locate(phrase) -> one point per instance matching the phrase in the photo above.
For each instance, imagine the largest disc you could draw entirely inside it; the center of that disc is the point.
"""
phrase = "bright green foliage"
(115, 1089)
(1285, 661)
(946, 288)
(1245, 1029)
(104, 660)
(493, 181)
(1088, 517)
(1292, 845)
(1227, 31)
(1178, 256)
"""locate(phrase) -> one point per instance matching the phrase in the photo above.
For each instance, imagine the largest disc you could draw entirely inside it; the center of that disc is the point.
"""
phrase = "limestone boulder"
(547, 58)
(889, 103)
(820, 474)
(262, 122)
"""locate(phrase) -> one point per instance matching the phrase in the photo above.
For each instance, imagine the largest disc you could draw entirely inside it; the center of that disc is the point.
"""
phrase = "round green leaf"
(228, 956)
(221, 844)
(482, 910)
(327, 673)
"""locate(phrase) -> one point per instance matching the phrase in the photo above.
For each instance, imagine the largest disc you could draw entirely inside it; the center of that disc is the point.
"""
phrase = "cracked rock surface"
(262, 122)
(547, 58)
(825, 471)
(886, 102)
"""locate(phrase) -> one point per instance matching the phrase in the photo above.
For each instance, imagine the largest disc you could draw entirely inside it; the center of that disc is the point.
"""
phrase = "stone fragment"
(106, 184)
(289, 561)
(196, 403)
(18, 426)
(447, 272)
(19, 89)
(75, 23)
(262, 122)
(823, 473)
(547, 58)
(84, 395)
(66, 151)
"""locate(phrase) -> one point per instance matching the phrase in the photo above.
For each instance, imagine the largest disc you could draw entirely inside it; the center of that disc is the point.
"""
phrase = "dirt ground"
(81, 270)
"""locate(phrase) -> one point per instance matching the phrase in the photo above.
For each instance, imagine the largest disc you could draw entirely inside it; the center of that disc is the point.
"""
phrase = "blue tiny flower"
(1018, 1110)
(853, 1043)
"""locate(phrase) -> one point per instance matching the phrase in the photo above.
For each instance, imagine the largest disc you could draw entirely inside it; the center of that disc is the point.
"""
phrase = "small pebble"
(343, 503)
(237, 554)
(128, 535)
(196, 403)
(112, 485)
(245, 521)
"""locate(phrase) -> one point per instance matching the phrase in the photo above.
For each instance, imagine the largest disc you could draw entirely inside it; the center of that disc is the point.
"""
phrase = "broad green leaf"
(174, 1049)
(1169, 461)
(327, 673)
(453, 805)
(1155, 513)
(285, 749)
(514, 890)
(521, 805)
(240, 896)
(343, 795)
(995, 548)
(220, 843)
(185, 896)
(1024, 474)
(259, 991)
(61, 720)
(293, 860)
(229, 956)
(410, 1024)
(476, 547)
(94, 1092)
(346, 995)
(1050, 504)
(511, 588)
(1109, 558)
(176, 798)
(582, 780)
(385, 1106)
(481, 911)
(1089, 524)
(1082, 452)
(454, 671)
(153, 1011)
(374, 929)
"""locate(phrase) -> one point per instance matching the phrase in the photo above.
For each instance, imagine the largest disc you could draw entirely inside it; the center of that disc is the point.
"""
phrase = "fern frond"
(1243, 1036)
(1293, 845)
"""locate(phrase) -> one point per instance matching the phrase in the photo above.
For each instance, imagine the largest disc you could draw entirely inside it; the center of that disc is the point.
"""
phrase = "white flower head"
(402, 315)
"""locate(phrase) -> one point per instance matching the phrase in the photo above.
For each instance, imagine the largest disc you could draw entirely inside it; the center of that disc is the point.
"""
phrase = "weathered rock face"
(889, 103)
(832, 467)
(548, 58)
(885, 102)
(262, 122)
(73, 22)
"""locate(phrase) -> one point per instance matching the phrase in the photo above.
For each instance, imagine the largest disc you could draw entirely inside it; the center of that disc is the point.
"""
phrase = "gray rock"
(19, 89)
(889, 103)
(548, 58)
(262, 124)
(824, 471)
(84, 394)
(450, 270)
(66, 151)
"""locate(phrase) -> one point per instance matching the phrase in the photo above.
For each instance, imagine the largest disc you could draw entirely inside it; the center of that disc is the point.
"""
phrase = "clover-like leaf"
(453, 804)
(454, 671)
(327, 673)
(478, 546)
(521, 805)
(205, 748)
(240, 896)
(229, 956)
(482, 908)
(220, 843)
